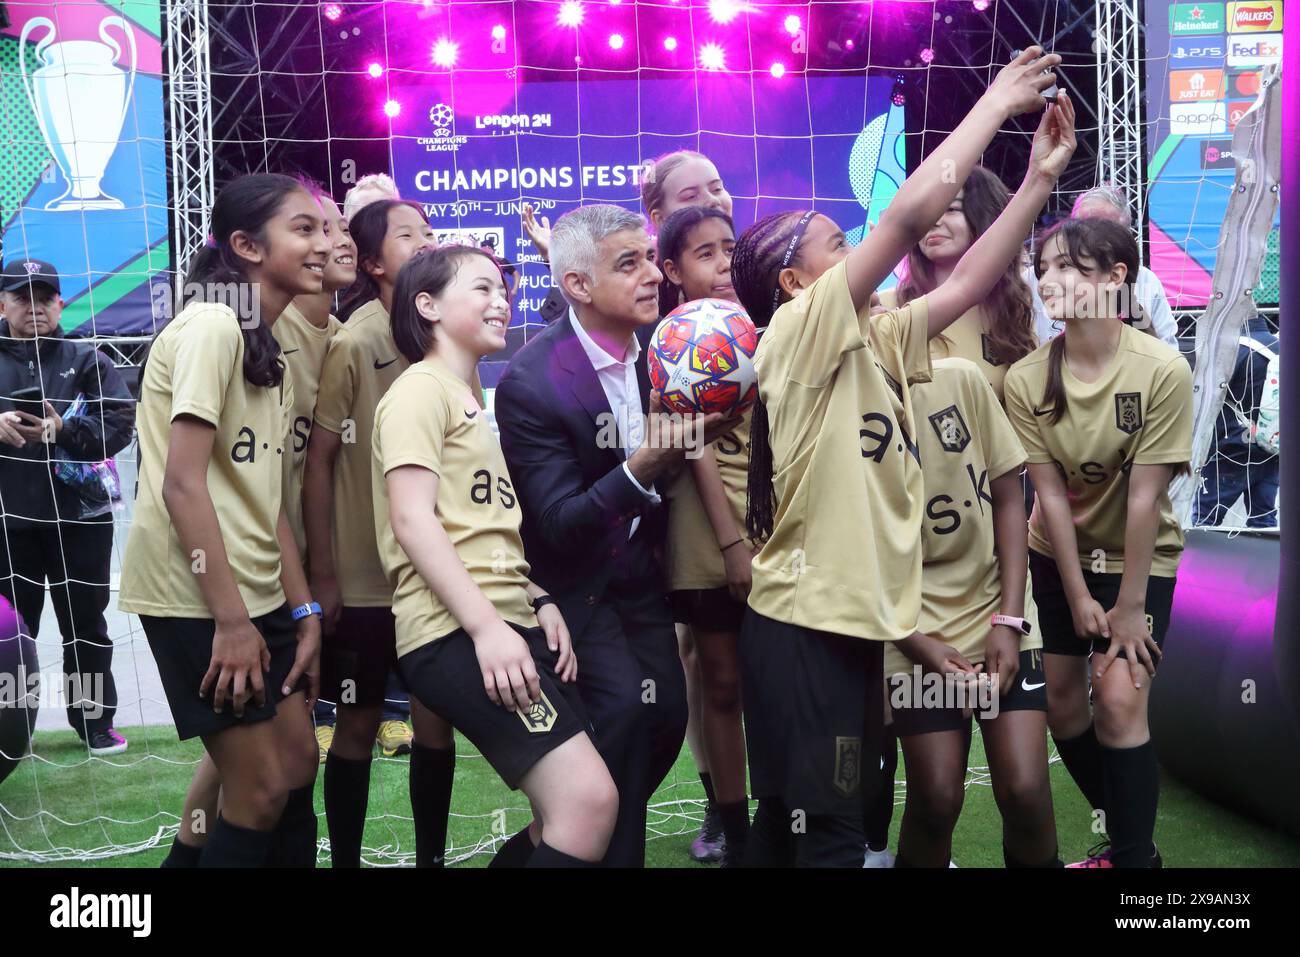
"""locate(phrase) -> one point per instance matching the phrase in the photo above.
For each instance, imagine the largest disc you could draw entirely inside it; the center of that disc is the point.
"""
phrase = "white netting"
(811, 103)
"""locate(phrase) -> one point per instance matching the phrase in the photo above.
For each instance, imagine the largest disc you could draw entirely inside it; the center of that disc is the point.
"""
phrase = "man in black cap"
(64, 410)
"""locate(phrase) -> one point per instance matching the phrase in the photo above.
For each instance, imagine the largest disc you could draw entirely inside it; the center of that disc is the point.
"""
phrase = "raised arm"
(986, 260)
(926, 193)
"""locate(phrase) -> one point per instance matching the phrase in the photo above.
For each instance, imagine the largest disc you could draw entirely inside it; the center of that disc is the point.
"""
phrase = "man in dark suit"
(589, 464)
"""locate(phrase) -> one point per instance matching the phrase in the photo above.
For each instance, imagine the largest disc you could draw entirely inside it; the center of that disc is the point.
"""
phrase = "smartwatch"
(1019, 624)
(540, 601)
(302, 611)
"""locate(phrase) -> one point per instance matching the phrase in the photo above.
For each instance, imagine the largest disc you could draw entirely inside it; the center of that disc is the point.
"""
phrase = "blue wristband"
(302, 611)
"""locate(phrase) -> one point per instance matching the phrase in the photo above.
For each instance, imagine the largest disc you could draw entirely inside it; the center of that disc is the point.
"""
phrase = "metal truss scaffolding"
(189, 100)
(1120, 159)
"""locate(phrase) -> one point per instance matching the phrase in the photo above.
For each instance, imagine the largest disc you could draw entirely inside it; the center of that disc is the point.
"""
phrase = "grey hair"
(373, 183)
(577, 234)
(1104, 193)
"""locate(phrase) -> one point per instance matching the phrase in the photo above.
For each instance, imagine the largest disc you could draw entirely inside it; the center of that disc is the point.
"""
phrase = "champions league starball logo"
(442, 141)
(80, 96)
(440, 115)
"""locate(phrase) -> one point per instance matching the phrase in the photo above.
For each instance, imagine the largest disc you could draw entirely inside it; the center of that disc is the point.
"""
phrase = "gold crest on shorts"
(540, 718)
(1128, 411)
(848, 765)
(951, 429)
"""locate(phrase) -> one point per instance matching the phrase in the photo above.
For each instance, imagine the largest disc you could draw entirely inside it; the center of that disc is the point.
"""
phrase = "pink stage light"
(848, 44)
(616, 41)
(571, 13)
(670, 43)
(713, 57)
(792, 25)
(498, 32)
(332, 12)
(927, 55)
(724, 11)
(981, 4)
(375, 70)
(392, 108)
(778, 70)
(444, 53)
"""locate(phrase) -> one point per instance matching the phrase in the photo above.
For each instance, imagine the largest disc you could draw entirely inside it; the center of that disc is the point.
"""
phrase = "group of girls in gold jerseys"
(862, 529)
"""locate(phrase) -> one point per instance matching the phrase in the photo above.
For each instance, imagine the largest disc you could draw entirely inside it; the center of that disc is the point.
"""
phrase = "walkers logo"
(1217, 154)
(1195, 86)
(1243, 83)
(1189, 18)
(1260, 16)
(1197, 52)
(1256, 50)
(1190, 119)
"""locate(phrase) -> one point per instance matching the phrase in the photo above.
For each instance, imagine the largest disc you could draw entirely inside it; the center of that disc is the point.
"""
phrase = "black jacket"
(577, 499)
(29, 490)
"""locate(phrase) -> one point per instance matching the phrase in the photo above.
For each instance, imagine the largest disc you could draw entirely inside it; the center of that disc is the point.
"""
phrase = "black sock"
(878, 810)
(182, 855)
(432, 773)
(1082, 758)
(514, 852)
(899, 861)
(347, 792)
(295, 836)
(771, 842)
(547, 856)
(707, 780)
(1013, 864)
(735, 825)
(1132, 793)
(230, 845)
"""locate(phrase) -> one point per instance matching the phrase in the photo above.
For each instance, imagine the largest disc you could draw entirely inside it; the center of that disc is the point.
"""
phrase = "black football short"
(709, 609)
(813, 714)
(1054, 616)
(182, 648)
(914, 713)
(357, 657)
(444, 675)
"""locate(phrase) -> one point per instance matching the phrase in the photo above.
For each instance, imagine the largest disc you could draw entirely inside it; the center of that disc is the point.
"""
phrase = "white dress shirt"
(623, 392)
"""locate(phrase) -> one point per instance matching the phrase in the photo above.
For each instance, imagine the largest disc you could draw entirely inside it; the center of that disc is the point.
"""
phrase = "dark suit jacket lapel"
(586, 387)
(644, 335)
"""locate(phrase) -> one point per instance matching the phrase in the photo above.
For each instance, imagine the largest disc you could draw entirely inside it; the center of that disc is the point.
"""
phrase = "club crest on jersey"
(990, 353)
(1128, 411)
(848, 765)
(540, 718)
(951, 429)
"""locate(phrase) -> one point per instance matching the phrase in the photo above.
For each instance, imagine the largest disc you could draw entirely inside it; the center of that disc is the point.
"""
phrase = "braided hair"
(755, 274)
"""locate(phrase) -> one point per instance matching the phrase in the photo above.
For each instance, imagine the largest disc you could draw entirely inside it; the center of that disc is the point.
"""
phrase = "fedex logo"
(1196, 51)
(1257, 50)
(1195, 86)
(1259, 16)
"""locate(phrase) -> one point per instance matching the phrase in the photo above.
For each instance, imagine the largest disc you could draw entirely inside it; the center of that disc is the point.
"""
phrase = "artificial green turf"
(61, 801)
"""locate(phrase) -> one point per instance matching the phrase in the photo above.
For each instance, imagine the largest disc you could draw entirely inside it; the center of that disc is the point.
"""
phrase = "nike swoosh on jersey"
(470, 415)
(1038, 411)
(287, 351)
(1028, 687)
(381, 365)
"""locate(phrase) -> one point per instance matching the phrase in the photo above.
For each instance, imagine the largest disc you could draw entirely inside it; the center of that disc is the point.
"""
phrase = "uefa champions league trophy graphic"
(80, 98)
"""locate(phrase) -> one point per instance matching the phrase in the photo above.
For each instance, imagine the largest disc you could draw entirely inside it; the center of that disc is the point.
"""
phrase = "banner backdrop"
(83, 175)
(1202, 74)
(474, 148)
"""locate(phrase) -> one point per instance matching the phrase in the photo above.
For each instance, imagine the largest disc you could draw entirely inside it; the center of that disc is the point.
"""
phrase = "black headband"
(790, 248)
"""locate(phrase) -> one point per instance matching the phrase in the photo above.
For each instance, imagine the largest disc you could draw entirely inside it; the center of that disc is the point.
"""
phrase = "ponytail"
(760, 497)
(1054, 390)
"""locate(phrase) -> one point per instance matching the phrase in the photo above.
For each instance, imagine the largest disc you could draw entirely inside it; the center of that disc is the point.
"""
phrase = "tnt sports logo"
(1217, 154)
(1261, 16)
(1185, 18)
(1197, 52)
(1255, 51)
(1195, 86)
(1191, 119)
(540, 718)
